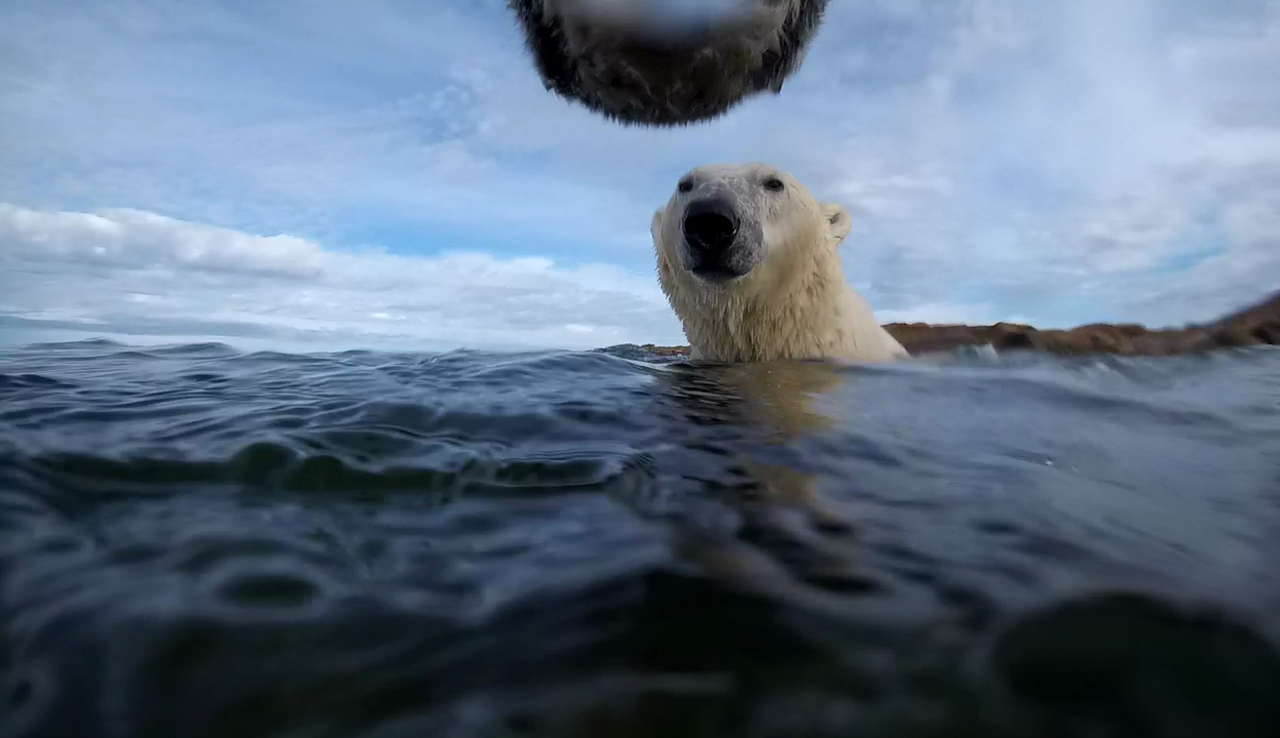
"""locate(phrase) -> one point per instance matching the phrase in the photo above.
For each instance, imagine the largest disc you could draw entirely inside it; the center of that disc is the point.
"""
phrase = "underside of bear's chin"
(631, 63)
(718, 274)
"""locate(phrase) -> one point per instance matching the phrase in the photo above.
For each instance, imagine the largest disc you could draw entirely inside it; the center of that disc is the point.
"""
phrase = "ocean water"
(197, 541)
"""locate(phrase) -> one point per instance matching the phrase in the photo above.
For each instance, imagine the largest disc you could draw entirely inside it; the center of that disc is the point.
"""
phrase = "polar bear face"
(743, 227)
(750, 262)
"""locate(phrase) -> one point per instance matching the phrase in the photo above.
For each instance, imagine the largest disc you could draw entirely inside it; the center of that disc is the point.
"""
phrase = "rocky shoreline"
(1256, 325)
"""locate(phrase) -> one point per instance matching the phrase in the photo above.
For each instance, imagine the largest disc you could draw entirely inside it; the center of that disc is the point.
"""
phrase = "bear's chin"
(718, 275)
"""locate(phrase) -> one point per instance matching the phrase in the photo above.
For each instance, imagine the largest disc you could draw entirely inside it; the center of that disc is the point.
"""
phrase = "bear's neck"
(803, 314)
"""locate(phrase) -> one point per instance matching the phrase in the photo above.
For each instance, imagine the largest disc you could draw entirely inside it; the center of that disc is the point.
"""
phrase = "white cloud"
(1246, 268)
(131, 238)
(128, 271)
(942, 313)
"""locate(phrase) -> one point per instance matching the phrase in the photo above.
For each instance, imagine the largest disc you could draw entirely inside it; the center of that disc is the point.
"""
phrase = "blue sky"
(388, 172)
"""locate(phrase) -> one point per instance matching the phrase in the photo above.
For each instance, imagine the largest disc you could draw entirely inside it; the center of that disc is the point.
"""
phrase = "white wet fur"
(794, 302)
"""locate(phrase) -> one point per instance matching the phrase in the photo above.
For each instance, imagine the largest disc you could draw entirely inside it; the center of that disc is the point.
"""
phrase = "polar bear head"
(743, 228)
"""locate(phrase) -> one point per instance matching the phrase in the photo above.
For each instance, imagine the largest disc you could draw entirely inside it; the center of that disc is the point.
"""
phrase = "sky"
(392, 172)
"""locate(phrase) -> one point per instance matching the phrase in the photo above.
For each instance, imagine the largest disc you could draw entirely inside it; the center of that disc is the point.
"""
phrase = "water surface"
(197, 541)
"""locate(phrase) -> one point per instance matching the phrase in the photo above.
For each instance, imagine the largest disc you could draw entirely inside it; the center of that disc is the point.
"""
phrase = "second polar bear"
(750, 261)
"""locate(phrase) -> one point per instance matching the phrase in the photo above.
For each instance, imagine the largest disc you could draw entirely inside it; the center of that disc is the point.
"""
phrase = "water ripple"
(198, 541)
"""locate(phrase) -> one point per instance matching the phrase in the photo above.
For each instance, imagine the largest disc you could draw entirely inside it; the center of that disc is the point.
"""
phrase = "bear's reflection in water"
(788, 534)
(1105, 661)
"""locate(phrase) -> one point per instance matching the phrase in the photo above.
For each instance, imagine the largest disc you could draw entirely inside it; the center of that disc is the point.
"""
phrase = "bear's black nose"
(710, 225)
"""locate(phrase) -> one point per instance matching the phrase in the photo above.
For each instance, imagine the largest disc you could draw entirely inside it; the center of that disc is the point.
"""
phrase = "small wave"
(196, 540)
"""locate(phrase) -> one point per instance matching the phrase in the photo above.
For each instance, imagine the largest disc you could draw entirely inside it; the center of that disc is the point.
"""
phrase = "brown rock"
(665, 350)
(1256, 325)
(1259, 324)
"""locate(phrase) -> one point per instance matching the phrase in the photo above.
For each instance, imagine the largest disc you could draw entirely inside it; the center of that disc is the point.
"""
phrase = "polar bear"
(650, 63)
(750, 262)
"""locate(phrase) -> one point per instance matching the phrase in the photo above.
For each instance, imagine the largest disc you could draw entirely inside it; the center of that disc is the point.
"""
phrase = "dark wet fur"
(618, 85)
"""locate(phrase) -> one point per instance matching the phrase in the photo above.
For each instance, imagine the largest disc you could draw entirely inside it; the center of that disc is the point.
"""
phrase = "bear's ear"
(838, 221)
(655, 225)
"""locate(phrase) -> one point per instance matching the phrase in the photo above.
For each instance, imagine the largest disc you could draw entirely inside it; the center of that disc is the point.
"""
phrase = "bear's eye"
(773, 184)
(685, 185)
